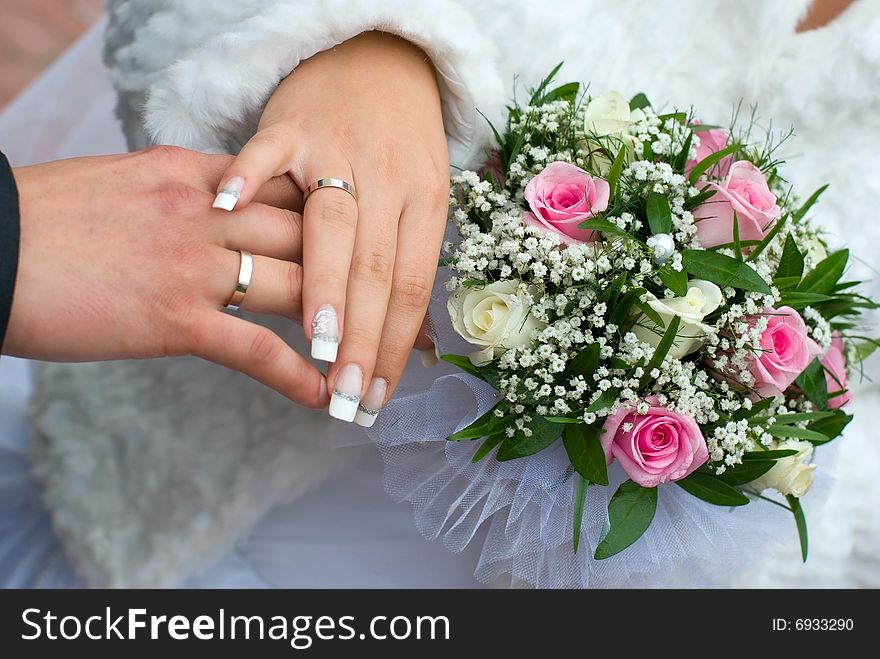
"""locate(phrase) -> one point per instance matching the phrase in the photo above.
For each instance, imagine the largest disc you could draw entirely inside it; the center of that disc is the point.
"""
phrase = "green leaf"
(865, 349)
(580, 498)
(679, 162)
(604, 226)
(826, 274)
(563, 420)
(768, 455)
(801, 521)
(652, 315)
(611, 291)
(585, 362)
(488, 373)
(623, 310)
(538, 93)
(605, 399)
(808, 204)
(797, 433)
(812, 383)
(680, 117)
(723, 270)
(832, 426)
(615, 171)
(639, 101)
(696, 200)
(737, 246)
(475, 430)
(791, 263)
(780, 224)
(797, 417)
(786, 282)
(544, 433)
(463, 363)
(747, 472)
(756, 408)
(712, 489)
(798, 300)
(585, 452)
(709, 161)
(630, 512)
(661, 350)
(675, 280)
(566, 92)
(659, 213)
(490, 443)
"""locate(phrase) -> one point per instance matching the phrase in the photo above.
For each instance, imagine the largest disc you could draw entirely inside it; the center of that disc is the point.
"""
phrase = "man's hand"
(122, 257)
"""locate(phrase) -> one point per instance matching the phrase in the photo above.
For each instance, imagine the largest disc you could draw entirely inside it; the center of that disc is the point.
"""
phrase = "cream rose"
(609, 114)
(792, 475)
(493, 317)
(703, 297)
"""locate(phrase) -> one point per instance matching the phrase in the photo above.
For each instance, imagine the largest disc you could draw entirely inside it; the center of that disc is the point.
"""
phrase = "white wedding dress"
(177, 472)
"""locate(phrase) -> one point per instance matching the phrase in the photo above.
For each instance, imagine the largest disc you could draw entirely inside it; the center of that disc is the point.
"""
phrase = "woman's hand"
(367, 112)
(120, 259)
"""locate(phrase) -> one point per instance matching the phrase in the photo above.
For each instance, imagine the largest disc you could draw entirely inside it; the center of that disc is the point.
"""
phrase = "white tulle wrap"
(527, 503)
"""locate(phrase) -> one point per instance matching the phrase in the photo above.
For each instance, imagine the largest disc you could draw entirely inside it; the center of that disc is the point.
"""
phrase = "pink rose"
(745, 192)
(711, 141)
(786, 350)
(561, 197)
(661, 445)
(835, 374)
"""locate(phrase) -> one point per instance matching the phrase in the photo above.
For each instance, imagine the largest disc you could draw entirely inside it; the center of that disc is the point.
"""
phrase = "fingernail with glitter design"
(372, 403)
(229, 193)
(346, 393)
(325, 334)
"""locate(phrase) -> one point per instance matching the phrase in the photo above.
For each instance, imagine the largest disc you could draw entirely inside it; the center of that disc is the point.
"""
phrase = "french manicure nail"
(429, 357)
(371, 405)
(229, 193)
(346, 393)
(325, 334)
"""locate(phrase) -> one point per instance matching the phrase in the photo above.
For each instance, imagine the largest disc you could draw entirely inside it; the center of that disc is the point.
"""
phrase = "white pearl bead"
(664, 247)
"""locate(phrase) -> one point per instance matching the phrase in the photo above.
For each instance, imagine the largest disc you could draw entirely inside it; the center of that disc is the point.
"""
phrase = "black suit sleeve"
(9, 237)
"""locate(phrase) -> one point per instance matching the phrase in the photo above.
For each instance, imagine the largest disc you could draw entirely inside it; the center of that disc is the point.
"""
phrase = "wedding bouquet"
(646, 291)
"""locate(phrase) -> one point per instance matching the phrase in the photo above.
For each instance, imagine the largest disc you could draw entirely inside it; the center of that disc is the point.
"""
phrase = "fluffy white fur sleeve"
(205, 68)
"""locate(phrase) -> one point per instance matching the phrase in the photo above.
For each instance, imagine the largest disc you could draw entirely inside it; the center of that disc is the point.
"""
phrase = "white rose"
(792, 475)
(493, 317)
(703, 297)
(609, 114)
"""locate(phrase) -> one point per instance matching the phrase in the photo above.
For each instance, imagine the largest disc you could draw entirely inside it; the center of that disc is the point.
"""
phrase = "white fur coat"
(197, 73)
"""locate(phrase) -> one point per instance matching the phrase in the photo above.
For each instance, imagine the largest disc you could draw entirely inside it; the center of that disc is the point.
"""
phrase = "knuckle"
(436, 194)
(293, 281)
(168, 157)
(326, 281)
(293, 228)
(176, 197)
(360, 339)
(374, 265)
(276, 137)
(412, 292)
(388, 157)
(264, 347)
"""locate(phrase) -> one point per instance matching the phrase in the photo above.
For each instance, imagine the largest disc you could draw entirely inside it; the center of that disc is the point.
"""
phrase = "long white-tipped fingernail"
(371, 405)
(429, 357)
(325, 334)
(229, 194)
(346, 393)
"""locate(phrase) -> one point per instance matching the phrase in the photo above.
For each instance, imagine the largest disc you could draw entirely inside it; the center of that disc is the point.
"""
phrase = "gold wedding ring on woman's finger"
(245, 271)
(330, 183)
